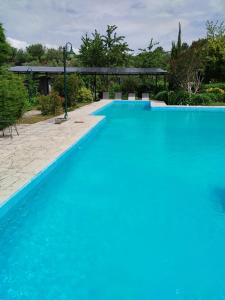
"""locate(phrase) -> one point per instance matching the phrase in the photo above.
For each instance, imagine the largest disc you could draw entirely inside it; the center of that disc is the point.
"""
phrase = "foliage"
(114, 88)
(73, 85)
(130, 84)
(84, 95)
(187, 68)
(215, 91)
(162, 96)
(36, 51)
(116, 49)
(219, 85)
(104, 50)
(200, 99)
(51, 104)
(13, 96)
(215, 64)
(32, 88)
(150, 57)
(4, 47)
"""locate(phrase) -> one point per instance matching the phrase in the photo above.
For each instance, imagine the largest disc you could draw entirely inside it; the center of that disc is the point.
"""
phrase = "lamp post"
(67, 49)
(29, 74)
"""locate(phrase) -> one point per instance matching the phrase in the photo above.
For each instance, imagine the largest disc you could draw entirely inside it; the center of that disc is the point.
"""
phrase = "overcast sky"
(54, 22)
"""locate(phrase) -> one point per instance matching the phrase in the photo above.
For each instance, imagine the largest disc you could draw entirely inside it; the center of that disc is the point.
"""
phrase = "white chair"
(145, 96)
(131, 96)
(105, 95)
(118, 96)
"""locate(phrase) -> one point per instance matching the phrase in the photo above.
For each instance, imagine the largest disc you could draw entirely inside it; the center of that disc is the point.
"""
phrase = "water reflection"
(220, 195)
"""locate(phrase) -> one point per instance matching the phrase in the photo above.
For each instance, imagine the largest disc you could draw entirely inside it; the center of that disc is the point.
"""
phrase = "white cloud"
(17, 43)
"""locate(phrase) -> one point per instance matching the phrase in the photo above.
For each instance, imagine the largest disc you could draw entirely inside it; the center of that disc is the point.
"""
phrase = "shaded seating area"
(46, 72)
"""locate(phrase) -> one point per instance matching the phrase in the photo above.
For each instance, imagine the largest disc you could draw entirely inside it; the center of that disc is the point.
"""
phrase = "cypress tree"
(179, 42)
(4, 47)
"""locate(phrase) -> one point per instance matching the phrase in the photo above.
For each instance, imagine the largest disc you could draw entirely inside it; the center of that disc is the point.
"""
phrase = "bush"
(162, 96)
(130, 84)
(84, 95)
(13, 98)
(199, 99)
(114, 88)
(215, 91)
(74, 83)
(51, 104)
(178, 98)
(220, 85)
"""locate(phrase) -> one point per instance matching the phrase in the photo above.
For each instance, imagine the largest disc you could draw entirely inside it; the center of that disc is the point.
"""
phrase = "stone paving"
(38, 145)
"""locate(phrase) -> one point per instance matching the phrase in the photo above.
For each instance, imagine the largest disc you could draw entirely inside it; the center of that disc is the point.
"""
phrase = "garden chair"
(131, 96)
(105, 96)
(145, 96)
(118, 96)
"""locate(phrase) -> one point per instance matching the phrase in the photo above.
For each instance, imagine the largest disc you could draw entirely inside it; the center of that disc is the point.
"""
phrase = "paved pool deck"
(24, 156)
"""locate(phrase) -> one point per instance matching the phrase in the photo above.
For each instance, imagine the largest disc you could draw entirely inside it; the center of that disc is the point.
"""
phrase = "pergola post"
(95, 92)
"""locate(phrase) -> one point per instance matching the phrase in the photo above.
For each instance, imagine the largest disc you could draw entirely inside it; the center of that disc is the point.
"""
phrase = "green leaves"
(13, 97)
(5, 49)
(104, 50)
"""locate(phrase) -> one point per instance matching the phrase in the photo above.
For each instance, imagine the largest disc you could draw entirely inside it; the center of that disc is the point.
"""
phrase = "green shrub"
(51, 104)
(215, 91)
(162, 96)
(74, 83)
(216, 96)
(13, 98)
(178, 98)
(114, 88)
(220, 85)
(84, 95)
(199, 99)
(130, 84)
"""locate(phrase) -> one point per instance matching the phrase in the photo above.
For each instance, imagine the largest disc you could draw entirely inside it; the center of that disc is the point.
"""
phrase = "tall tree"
(179, 42)
(104, 50)
(36, 51)
(151, 57)
(92, 50)
(117, 49)
(5, 49)
(215, 65)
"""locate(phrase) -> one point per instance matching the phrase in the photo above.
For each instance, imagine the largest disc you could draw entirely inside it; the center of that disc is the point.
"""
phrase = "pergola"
(46, 71)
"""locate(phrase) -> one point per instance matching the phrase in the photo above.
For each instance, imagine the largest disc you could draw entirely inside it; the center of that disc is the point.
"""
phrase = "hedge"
(13, 98)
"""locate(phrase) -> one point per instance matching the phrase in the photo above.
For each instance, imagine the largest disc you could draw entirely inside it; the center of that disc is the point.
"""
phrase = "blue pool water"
(135, 211)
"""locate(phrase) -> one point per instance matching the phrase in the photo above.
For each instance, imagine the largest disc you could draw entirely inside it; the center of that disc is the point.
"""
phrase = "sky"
(54, 22)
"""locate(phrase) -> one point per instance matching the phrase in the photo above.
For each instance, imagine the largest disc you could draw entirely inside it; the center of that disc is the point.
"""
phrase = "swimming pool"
(134, 211)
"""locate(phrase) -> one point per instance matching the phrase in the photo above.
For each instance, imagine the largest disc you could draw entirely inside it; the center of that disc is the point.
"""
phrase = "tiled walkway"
(38, 145)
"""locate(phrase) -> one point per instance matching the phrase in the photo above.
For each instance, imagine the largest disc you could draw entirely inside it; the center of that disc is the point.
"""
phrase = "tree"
(215, 65)
(104, 50)
(117, 49)
(187, 68)
(36, 51)
(152, 57)
(13, 97)
(5, 49)
(92, 50)
(73, 85)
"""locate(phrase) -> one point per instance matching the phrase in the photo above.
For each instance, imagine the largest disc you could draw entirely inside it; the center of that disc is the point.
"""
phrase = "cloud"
(17, 43)
(54, 22)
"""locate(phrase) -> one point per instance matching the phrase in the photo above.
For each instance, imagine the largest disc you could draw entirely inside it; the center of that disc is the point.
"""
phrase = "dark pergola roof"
(89, 70)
